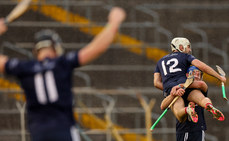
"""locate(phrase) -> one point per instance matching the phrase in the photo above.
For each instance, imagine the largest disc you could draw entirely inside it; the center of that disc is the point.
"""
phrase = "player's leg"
(178, 109)
(197, 97)
(181, 112)
(190, 110)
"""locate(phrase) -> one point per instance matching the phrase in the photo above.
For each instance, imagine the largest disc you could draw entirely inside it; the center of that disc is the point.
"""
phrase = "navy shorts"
(191, 136)
(186, 94)
(71, 134)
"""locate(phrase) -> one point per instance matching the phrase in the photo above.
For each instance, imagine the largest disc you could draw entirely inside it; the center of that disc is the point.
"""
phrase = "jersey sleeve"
(157, 70)
(13, 67)
(72, 59)
(190, 58)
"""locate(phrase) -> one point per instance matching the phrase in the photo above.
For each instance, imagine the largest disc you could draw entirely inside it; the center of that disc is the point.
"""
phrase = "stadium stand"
(108, 86)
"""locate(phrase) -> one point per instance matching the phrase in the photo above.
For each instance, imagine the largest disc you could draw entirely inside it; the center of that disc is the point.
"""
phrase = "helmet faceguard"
(193, 70)
(48, 38)
(176, 42)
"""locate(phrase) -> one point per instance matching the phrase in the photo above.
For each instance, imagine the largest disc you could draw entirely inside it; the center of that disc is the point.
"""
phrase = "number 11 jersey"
(47, 86)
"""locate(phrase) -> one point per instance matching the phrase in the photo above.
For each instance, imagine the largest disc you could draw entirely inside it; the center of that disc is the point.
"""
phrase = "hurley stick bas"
(188, 82)
(222, 73)
(17, 11)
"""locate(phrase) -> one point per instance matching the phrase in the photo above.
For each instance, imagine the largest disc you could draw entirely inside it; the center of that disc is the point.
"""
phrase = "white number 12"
(172, 68)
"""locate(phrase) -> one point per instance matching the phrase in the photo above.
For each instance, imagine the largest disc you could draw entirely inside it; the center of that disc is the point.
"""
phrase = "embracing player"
(187, 129)
(171, 71)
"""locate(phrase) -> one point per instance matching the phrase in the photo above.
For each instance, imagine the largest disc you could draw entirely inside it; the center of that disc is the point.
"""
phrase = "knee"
(180, 115)
(206, 100)
(201, 84)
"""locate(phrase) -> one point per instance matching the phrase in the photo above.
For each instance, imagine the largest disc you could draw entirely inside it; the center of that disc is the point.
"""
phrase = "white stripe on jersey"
(75, 134)
(40, 90)
(51, 86)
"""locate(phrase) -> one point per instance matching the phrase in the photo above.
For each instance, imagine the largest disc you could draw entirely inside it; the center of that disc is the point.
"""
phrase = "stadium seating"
(127, 68)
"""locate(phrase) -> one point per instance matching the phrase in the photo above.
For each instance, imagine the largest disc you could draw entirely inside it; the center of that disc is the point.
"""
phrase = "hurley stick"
(222, 73)
(188, 82)
(17, 11)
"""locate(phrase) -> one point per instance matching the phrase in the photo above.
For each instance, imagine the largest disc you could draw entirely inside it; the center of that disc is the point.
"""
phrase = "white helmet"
(176, 42)
(46, 38)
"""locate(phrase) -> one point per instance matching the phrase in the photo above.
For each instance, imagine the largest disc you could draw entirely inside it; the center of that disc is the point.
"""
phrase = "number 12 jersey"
(173, 68)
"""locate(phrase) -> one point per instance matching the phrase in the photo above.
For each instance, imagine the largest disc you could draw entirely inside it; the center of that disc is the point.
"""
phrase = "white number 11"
(52, 94)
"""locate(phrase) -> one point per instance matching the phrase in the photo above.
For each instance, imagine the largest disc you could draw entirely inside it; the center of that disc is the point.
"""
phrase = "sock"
(207, 105)
(186, 110)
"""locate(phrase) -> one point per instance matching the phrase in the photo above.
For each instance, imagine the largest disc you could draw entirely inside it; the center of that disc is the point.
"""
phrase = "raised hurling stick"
(188, 82)
(17, 11)
(222, 73)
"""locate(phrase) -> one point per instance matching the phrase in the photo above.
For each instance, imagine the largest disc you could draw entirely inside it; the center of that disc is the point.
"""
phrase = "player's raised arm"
(3, 27)
(207, 69)
(199, 85)
(3, 60)
(102, 41)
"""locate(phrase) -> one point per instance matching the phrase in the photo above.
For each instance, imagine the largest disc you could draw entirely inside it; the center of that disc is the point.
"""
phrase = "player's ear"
(187, 75)
(181, 47)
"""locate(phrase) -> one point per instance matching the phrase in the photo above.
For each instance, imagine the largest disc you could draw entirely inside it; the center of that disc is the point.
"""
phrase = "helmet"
(176, 42)
(192, 68)
(47, 38)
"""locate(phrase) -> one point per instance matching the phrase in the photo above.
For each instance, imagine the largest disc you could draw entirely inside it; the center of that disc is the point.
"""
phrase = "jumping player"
(171, 71)
(47, 80)
(188, 130)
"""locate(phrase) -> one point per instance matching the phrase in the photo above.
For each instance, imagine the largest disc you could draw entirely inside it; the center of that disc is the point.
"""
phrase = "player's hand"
(223, 79)
(174, 89)
(3, 27)
(180, 92)
(177, 91)
(117, 15)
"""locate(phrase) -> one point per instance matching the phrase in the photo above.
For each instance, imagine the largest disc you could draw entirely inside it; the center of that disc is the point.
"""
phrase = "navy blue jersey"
(173, 68)
(47, 86)
(189, 126)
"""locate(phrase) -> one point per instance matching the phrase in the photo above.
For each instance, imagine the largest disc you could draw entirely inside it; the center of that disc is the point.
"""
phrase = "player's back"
(47, 85)
(48, 92)
(173, 68)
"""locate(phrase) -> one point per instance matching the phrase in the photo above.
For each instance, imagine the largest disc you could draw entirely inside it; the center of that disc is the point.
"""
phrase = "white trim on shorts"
(203, 135)
(186, 136)
(75, 134)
